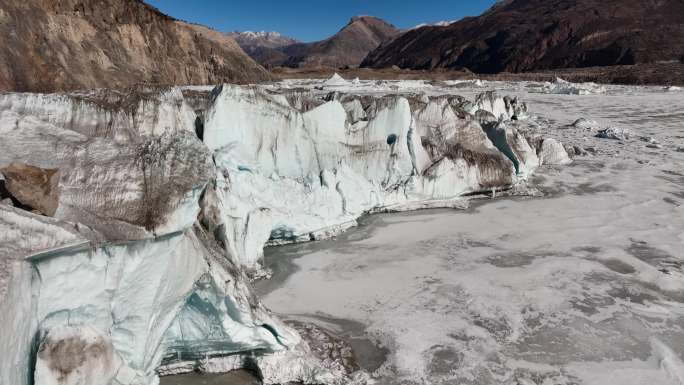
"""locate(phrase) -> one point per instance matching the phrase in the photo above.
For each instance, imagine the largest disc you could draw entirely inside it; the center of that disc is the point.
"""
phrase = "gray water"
(236, 377)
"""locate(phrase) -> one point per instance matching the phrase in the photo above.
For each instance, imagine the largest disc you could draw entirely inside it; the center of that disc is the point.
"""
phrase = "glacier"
(167, 197)
(584, 286)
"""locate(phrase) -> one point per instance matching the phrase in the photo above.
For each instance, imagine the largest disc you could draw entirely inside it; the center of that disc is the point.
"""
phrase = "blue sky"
(310, 20)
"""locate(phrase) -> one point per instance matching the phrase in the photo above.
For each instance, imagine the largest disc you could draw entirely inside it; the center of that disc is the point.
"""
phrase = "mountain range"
(48, 45)
(528, 35)
(348, 47)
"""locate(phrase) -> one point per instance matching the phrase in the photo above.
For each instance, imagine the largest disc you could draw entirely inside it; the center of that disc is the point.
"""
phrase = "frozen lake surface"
(582, 286)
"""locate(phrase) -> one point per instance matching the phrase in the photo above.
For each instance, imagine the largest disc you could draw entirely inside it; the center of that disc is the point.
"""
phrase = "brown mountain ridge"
(56, 45)
(529, 35)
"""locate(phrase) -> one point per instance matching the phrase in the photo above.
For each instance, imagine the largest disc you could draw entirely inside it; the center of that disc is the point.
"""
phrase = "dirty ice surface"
(582, 286)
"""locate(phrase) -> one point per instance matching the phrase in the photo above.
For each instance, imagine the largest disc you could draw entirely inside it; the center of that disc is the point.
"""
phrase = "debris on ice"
(615, 133)
(560, 86)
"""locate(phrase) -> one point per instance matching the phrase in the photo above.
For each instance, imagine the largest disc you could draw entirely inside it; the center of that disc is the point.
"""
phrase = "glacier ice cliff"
(120, 268)
(166, 198)
(294, 170)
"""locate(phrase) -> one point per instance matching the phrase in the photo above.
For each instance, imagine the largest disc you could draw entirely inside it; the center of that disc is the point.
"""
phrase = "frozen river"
(582, 286)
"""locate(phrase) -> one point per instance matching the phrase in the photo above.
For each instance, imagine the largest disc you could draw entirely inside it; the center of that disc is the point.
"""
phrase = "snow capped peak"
(261, 38)
(442, 23)
(257, 34)
(262, 34)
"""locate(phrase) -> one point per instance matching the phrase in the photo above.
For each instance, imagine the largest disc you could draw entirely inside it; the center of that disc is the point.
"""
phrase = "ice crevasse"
(166, 198)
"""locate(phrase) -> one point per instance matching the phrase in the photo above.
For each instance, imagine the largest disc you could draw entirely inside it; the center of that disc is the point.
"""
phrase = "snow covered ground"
(584, 285)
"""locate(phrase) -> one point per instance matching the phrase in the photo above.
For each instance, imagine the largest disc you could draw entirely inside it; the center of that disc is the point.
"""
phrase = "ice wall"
(129, 175)
(309, 173)
(118, 115)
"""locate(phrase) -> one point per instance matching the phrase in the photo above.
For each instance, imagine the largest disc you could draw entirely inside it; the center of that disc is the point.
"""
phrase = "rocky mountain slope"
(348, 47)
(77, 44)
(524, 35)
